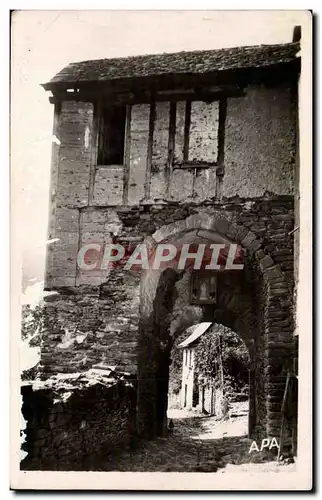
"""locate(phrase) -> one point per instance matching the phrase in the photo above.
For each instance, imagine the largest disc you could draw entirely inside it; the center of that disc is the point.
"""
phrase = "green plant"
(223, 356)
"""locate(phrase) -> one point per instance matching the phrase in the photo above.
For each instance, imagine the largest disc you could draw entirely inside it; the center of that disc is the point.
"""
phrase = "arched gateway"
(256, 302)
(192, 147)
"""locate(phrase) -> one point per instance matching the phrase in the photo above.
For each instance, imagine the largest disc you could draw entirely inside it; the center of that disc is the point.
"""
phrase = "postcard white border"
(300, 480)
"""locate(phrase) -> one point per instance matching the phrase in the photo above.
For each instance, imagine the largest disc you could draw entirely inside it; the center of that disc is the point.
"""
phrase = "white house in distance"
(194, 394)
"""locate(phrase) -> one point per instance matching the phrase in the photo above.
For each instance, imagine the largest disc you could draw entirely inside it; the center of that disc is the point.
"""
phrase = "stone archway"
(255, 303)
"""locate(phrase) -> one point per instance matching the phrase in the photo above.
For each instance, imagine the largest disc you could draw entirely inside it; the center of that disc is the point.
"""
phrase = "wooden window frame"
(220, 138)
(99, 132)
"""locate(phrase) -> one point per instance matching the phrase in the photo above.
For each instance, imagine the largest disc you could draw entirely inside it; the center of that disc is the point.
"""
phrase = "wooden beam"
(145, 97)
(100, 129)
(94, 152)
(171, 141)
(149, 151)
(186, 132)
(220, 170)
(127, 152)
(191, 164)
(221, 136)
(51, 233)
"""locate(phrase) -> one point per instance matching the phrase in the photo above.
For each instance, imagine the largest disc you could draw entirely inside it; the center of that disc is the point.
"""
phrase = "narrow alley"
(197, 444)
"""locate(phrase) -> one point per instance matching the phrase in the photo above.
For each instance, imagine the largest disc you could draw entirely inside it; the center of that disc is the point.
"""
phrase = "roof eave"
(293, 65)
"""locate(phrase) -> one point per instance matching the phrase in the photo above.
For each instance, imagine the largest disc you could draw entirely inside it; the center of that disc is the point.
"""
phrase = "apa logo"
(266, 443)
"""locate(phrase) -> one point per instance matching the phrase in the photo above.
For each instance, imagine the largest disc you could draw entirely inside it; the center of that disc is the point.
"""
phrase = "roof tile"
(192, 63)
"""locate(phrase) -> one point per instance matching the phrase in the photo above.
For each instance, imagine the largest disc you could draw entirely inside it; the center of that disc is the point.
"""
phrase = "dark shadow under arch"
(246, 304)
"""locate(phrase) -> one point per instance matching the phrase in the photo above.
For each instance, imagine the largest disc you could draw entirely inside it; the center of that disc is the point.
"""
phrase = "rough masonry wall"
(260, 142)
(64, 430)
(107, 309)
(70, 182)
(108, 179)
(74, 159)
(259, 152)
(158, 187)
(88, 326)
(269, 319)
(203, 136)
(179, 132)
(140, 116)
(94, 317)
(259, 158)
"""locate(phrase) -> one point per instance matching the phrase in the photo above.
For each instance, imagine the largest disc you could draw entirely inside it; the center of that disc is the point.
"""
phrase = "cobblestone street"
(198, 444)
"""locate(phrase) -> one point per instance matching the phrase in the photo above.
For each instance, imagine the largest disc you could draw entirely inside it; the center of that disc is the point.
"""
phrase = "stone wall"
(101, 320)
(260, 143)
(66, 428)
(88, 327)
(258, 158)
(85, 325)
(256, 303)
(247, 187)
(188, 378)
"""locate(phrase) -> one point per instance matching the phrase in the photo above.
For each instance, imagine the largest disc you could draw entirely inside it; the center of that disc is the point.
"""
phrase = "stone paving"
(198, 444)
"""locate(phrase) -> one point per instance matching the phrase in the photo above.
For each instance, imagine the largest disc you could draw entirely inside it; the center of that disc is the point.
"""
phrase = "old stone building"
(214, 370)
(185, 148)
(190, 387)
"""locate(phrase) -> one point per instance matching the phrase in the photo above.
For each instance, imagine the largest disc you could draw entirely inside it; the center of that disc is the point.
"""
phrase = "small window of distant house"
(111, 135)
(203, 288)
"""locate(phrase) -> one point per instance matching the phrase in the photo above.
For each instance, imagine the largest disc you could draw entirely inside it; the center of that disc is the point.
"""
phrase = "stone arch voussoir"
(236, 232)
(276, 326)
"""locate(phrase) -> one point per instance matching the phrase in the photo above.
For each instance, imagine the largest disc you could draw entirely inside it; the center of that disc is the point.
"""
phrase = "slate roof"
(196, 334)
(180, 63)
